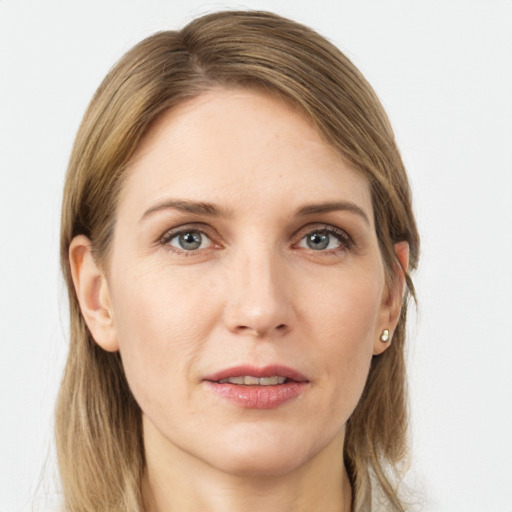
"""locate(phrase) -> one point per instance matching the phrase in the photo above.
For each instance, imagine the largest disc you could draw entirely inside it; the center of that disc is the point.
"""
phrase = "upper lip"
(254, 371)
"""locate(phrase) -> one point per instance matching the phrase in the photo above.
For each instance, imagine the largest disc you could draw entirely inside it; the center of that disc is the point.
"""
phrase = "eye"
(325, 239)
(187, 240)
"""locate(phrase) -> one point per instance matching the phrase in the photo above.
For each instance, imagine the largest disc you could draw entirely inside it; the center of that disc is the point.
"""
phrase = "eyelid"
(200, 227)
(345, 239)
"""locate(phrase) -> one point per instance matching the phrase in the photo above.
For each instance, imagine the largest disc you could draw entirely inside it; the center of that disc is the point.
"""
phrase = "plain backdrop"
(443, 70)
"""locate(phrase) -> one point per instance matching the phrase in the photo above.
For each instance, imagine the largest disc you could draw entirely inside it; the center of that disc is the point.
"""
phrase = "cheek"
(348, 308)
(161, 323)
(346, 319)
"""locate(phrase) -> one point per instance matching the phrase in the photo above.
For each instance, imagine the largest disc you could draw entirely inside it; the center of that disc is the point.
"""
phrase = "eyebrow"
(198, 208)
(313, 209)
(211, 210)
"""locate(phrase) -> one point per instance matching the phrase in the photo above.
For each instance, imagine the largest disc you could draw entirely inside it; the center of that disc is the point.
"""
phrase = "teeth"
(249, 380)
(271, 381)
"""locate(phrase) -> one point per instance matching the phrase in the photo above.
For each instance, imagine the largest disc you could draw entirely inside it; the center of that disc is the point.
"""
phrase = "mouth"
(247, 375)
(257, 388)
(249, 380)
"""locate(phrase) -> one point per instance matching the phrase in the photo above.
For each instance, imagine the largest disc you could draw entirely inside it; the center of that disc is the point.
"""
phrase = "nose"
(258, 296)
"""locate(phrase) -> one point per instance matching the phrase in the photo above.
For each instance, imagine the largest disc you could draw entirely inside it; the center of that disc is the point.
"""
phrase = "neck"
(176, 481)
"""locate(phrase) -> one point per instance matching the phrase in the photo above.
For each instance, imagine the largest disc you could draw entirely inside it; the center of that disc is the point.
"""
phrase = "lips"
(249, 380)
(257, 388)
(260, 373)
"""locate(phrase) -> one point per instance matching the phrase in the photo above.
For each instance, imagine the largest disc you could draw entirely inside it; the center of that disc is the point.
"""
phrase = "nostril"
(282, 328)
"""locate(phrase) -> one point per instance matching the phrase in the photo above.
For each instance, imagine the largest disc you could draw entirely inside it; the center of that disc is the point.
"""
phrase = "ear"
(93, 294)
(392, 304)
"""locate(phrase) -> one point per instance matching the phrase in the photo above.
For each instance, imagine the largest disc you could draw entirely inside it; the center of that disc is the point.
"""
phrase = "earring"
(384, 337)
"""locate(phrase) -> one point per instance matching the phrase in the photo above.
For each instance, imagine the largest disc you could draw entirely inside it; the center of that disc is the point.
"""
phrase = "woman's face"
(245, 286)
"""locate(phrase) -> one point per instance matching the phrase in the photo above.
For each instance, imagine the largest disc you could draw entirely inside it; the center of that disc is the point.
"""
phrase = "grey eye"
(318, 241)
(190, 240)
(321, 240)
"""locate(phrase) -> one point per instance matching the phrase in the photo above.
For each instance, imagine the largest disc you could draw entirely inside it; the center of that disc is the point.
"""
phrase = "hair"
(98, 422)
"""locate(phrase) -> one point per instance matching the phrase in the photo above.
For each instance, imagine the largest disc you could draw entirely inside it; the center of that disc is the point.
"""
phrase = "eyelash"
(345, 240)
(166, 238)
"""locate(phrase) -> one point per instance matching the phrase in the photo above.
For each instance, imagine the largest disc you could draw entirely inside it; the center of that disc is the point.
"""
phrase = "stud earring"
(384, 337)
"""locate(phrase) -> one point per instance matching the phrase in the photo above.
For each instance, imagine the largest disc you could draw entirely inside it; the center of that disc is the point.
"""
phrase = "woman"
(237, 236)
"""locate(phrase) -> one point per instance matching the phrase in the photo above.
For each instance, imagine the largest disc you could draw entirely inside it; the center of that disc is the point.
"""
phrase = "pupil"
(318, 241)
(190, 241)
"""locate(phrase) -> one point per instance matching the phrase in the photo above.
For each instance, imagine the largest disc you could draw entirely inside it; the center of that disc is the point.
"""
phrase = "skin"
(255, 291)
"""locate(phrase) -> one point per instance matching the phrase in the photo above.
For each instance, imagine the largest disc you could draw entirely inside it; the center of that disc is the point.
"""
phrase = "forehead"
(241, 147)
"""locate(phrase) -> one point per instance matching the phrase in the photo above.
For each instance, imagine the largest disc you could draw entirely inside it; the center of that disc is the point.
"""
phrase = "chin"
(260, 455)
(261, 464)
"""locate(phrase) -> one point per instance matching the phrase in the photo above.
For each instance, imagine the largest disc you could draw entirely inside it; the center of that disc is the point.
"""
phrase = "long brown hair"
(98, 422)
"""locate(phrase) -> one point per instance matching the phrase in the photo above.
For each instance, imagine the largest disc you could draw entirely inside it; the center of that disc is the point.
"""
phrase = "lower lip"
(258, 397)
